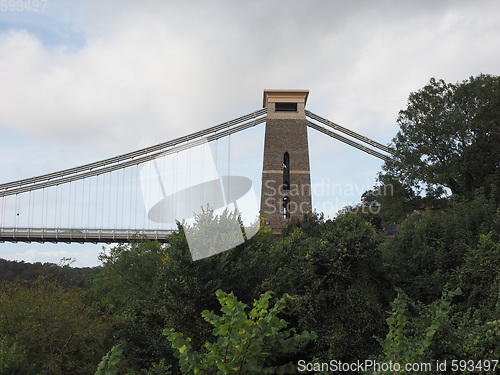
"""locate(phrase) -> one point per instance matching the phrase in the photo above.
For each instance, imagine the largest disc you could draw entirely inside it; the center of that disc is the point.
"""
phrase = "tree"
(339, 286)
(186, 287)
(450, 136)
(126, 285)
(148, 287)
(58, 331)
(127, 273)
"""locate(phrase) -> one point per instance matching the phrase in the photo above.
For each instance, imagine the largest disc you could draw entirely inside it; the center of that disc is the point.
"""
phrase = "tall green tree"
(126, 285)
(148, 287)
(339, 285)
(186, 287)
(127, 273)
(450, 136)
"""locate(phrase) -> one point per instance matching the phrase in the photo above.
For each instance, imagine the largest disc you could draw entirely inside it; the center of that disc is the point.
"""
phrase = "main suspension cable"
(134, 154)
(349, 141)
(350, 132)
(86, 173)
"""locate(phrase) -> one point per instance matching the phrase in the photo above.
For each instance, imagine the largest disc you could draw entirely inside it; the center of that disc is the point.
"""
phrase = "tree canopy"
(450, 136)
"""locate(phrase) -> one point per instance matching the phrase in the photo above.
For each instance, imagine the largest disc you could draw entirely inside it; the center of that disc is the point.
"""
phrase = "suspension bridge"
(142, 194)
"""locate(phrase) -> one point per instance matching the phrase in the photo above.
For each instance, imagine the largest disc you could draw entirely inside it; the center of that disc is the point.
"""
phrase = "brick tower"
(286, 181)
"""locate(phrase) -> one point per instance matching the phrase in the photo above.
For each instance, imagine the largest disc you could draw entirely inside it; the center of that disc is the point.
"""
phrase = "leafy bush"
(247, 343)
(13, 359)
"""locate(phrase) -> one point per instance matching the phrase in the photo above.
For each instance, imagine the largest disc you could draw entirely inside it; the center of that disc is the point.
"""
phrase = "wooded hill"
(16, 271)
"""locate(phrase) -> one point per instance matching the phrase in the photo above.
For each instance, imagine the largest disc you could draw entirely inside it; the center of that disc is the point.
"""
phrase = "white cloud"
(165, 69)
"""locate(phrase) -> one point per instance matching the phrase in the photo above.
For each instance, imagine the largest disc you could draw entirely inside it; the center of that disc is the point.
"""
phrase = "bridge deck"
(81, 235)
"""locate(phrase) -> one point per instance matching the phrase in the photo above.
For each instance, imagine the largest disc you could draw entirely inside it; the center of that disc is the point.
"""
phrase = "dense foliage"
(47, 329)
(450, 136)
(247, 343)
(68, 276)
(417, 279)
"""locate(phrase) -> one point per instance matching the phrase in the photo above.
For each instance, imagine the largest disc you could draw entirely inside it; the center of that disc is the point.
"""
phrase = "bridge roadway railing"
(82, 235)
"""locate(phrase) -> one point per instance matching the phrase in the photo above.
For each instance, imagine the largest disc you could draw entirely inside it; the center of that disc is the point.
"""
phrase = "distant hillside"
(68, 276)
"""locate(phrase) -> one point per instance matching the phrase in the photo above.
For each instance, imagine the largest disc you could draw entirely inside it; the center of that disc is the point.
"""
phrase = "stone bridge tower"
(286, 181)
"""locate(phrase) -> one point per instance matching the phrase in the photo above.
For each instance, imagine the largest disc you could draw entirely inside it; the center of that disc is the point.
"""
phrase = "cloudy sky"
(81, 81)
